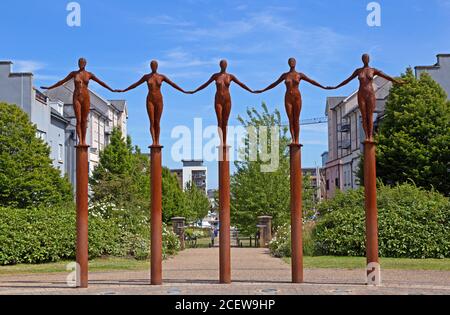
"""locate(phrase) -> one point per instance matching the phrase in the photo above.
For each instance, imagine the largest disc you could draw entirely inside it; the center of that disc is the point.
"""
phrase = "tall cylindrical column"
(156, 215)
(82, 250)
(224, 214)
(370, 187)
(296, 213)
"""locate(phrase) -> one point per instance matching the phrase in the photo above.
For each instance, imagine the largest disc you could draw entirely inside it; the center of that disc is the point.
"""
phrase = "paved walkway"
(195, 272)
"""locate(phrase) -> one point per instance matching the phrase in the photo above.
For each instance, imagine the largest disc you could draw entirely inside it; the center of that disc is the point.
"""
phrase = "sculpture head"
(292, 63)
(366, 59)
(154, 66)
(223, 65)
(82, 62)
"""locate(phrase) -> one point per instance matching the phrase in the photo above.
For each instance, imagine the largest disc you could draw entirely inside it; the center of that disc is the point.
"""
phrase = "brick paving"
(255, 272)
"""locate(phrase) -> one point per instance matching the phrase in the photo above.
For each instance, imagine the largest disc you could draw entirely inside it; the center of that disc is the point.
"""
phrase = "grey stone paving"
(195, 272)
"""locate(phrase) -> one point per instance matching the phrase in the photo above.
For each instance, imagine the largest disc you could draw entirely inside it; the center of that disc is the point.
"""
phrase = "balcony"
(345, 126)
(344, 144)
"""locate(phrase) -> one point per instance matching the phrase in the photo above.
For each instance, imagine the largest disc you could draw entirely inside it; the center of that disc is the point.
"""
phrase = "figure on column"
(155, 102)
(293, 98)
(223, 98)
(366, 94)
(81, 97)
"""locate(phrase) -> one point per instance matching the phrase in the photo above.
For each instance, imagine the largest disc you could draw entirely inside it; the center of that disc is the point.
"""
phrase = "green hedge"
(413, 223)
(43, 235)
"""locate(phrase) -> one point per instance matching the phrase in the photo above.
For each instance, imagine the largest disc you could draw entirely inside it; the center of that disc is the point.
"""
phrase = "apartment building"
(440, 71)
(105, 115)
(18, 89)
(346, 136)
(193, 171)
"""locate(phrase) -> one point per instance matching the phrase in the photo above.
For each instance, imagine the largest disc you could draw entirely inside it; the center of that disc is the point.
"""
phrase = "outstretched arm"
(351, 78)
(66, 79)
(242, 85)
(311, 81)
(167, 80)
(385, 76)
(135, 85)
(273, 85)
(204, 86)
(106, 86)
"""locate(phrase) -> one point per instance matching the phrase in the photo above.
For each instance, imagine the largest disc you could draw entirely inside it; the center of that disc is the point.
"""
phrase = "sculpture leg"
(297, 110)
(151, 116)
(290, 114)
(370, 110)
(77, 111)
(85, 108)
(219, 114)
(158, 114)
(363, 110)
(225, 118)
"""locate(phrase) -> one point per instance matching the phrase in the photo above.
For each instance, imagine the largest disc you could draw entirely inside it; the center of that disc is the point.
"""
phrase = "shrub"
(413, 223)
(280, 246)
(41, 235)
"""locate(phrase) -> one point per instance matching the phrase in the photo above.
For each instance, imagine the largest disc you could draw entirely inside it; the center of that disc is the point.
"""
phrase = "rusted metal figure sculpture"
(293, 103)
(223, 110)
(82, 106)
(223, 98)
(81, 98)
(155, 103)
(155, 106)
(367, 104)
(293, 98)
(366, 94)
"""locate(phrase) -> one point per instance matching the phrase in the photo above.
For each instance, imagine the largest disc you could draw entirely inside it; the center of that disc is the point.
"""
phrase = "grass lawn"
(100, 264)
(127, 264)
(386, 263)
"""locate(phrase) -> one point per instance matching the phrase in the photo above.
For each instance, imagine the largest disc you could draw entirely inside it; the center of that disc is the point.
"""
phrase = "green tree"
(27, 177)
(122, 176)
(255, 192)
(414, 138)
(197, 203)
(174, 200)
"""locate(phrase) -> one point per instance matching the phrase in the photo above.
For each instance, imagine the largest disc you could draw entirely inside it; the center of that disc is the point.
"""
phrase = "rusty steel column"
(370, 188)
(296, 213)
(224, 215)
(156, 214)
(82, 250)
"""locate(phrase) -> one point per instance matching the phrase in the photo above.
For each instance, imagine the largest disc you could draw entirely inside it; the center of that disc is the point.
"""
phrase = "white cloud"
(28, 66)
(276, 30)
(165, 20)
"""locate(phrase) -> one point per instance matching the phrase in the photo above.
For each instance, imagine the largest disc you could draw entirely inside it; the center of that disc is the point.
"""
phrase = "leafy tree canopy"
(27, 177)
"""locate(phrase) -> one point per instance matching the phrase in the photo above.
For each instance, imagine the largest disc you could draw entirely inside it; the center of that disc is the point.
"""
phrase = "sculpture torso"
(292, 81)
(223, 82)
(81, 82)
(154, 83)
(366, 76)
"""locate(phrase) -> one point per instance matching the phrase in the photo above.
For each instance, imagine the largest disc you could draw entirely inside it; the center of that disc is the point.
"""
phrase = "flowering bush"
(280, 246)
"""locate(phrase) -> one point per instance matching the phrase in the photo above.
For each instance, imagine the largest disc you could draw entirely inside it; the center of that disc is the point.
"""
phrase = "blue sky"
(189, 37)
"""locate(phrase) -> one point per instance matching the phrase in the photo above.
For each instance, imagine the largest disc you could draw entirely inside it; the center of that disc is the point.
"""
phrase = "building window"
(337, 183)
(328, 184)
(41, 135)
